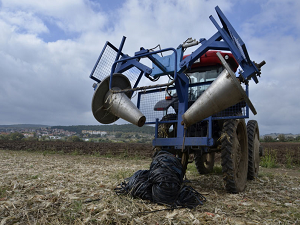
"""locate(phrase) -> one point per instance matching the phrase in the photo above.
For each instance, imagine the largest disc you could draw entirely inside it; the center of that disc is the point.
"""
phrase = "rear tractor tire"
(253, 149)
(205, 162)
(234, 155)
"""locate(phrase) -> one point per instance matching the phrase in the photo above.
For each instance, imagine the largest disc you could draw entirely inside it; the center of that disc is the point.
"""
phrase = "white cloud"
(166, 22)
(69, 15)
(47, 82)
(273, 35)
(23, 21)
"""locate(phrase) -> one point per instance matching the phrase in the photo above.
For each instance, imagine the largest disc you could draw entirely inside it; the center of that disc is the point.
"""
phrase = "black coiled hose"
(137, 185)
(166, 177)
(162, 184)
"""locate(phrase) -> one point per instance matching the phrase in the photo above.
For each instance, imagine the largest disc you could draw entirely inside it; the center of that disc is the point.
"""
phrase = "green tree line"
(16, 136)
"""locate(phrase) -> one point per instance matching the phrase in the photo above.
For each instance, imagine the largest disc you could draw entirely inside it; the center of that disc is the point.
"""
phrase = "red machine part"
(210, 58)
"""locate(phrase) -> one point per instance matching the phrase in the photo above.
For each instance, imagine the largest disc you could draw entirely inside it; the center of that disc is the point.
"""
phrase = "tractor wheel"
(253, 149)
(167, 130)
(205, 162)
(234, 155)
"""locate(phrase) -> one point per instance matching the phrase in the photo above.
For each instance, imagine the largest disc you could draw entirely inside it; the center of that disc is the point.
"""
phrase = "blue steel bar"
(145, 55)
(189, 141)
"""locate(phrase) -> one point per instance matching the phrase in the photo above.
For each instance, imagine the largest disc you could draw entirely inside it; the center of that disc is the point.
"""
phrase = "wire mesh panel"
(238, 110)
(132, 74)
(104, 64)
(148, 100)
(147, 103)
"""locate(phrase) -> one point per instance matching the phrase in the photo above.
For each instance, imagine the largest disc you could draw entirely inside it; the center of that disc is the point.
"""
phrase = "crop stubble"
(38, 188)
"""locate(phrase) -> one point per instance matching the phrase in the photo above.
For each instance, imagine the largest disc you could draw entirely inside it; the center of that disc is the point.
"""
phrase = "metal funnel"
(108, 107)
(224, 92)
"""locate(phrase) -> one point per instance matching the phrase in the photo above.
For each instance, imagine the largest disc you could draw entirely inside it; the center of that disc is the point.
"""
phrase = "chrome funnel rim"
(100, 113)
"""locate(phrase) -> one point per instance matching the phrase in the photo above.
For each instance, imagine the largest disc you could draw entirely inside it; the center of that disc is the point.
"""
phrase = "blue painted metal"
(231, 41)
(182, 86)
(126, 65)
(177, 142)
(167, 62)
(133, 61)
(156, 129)
(214, 43)
(226, 38)
(250, 70)
(120, 48)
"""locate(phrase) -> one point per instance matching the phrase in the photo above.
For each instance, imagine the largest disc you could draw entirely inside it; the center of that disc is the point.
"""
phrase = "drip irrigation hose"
(162, 184)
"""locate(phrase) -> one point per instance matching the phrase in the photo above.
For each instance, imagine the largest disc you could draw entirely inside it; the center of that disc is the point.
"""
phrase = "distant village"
(52, 133)
(39, 132)
(48, 133)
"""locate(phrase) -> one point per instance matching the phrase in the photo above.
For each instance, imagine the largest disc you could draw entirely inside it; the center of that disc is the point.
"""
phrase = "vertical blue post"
(120, 48)
(156, 128)
(182, 88)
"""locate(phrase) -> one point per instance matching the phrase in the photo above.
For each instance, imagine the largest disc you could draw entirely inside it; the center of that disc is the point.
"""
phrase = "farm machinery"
(196, 102)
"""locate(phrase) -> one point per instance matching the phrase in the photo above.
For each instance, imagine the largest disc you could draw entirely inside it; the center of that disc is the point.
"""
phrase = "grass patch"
(35, 177)
(192, 169)
(217, 169)
(122, 174)
(3, 192)
(76, 152)
(97, 154)
(108, 154)
(73, 212)
(269, 160)
(76, 206)
(139, 157)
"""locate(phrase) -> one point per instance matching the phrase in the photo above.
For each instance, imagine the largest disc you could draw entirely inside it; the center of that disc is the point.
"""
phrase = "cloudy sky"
(48, 49)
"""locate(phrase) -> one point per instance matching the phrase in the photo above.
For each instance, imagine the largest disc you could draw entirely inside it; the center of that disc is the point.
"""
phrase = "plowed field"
(282, 150)
(84, 148)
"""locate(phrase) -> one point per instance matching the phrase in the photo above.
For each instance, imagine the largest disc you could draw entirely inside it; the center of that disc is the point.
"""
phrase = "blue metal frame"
(231, 42)
(132, 61)
(225, 38)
